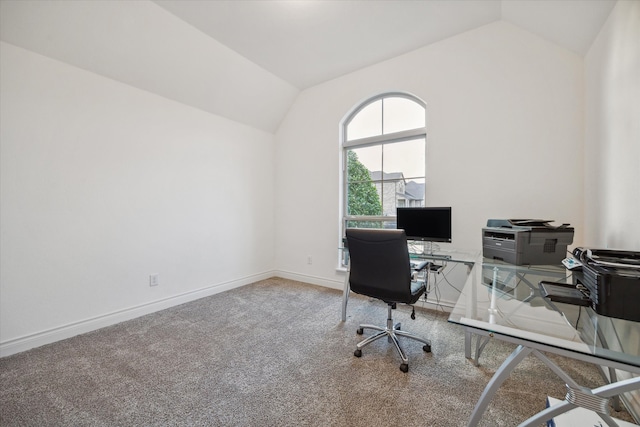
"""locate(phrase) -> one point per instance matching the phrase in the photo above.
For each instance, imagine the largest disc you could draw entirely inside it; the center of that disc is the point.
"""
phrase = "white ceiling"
(308, 42)
(248, 60)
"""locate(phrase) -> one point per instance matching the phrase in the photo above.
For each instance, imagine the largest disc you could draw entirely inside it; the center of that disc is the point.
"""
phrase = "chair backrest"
(379, 264)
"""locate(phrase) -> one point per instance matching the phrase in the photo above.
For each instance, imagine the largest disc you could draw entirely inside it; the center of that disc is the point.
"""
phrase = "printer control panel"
(571, 263)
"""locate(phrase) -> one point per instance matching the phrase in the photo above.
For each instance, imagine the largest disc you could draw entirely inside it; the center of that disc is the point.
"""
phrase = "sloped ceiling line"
(248, 60)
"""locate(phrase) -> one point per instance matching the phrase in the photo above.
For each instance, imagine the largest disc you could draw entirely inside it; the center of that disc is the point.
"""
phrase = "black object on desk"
(612, 278)
(435, 267)
(564, 293)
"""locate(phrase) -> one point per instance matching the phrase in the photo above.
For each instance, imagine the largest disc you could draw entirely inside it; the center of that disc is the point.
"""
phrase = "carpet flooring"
(273, 353)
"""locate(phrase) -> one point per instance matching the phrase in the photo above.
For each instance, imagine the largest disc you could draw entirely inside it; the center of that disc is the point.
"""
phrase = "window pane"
(396, 193)
(369, 157)
(402, 114)
(362, 195)
(363, 199)
(414, 193)
(389, 174)
(406, 158)
(368, 122)
(370, 224)
(390, 188)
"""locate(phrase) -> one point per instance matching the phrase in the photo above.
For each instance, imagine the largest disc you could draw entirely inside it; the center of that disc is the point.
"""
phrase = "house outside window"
(383, 160)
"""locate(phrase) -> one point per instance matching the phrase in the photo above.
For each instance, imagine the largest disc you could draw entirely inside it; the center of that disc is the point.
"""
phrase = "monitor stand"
(429, 248)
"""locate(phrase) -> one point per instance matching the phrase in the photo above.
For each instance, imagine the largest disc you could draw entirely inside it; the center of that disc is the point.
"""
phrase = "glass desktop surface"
(423, 250)
(505, 299)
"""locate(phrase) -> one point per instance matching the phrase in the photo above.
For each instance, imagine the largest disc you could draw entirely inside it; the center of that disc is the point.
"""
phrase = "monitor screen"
(429, 224)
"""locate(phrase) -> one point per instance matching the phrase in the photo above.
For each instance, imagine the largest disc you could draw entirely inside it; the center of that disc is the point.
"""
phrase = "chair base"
(392, 332)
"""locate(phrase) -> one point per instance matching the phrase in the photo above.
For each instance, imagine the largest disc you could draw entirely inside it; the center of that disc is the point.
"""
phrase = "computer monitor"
(426, 224)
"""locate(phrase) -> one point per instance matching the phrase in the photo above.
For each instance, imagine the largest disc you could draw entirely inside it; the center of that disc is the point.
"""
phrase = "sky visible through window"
(406, 157)
(386, 116)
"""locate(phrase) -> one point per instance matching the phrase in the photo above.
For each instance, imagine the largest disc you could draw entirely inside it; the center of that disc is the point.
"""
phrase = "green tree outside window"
(363, 198)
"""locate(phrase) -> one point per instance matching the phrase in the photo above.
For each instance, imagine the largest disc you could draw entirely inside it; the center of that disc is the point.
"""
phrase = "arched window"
(383, 156)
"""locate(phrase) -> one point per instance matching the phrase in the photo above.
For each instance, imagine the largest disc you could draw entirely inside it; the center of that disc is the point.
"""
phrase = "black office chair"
(380, 268)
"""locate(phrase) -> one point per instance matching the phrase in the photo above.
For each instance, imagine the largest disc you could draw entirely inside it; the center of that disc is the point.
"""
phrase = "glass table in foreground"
(503, 301)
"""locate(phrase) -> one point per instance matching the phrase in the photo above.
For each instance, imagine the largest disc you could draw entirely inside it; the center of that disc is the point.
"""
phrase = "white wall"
(612, 146)
(141, 44)
(505, 140)
(612, 137)
(102, 185)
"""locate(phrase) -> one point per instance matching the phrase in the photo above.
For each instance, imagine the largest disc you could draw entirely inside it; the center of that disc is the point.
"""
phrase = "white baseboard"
(49, 336)
(431, 304)
(446, 306)
(314, 280)
(59, 333)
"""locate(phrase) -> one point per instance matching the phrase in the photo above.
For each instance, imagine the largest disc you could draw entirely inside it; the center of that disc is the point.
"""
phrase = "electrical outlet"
(309, 260)
(153, 280)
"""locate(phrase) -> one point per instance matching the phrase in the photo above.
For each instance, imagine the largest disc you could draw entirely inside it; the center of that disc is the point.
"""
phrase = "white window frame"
(345, 145)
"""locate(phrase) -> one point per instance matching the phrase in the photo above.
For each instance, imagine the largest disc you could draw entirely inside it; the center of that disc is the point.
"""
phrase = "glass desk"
(503, 301)
(454, 256)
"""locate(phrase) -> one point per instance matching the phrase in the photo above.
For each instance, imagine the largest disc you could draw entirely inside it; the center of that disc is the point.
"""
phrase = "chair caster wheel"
(360, 331)
(357, 353)
(426, 348)
(404, 368)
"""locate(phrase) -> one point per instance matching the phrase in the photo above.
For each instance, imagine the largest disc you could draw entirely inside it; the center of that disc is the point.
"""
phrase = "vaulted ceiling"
(248, 60)
(308, 42)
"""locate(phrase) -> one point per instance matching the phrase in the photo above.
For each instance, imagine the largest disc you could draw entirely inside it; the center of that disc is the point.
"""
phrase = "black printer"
(611, 279)
(526, 241)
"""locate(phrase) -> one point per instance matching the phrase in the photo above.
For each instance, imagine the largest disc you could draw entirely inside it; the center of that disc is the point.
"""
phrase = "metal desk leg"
(496, 381)
(594, 400)
(613, 376)
(607, 391)
(481, 342)
(345, 295)
(468, 336)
